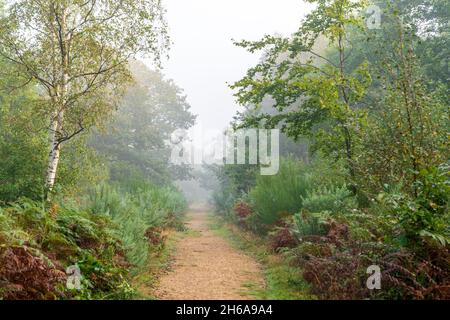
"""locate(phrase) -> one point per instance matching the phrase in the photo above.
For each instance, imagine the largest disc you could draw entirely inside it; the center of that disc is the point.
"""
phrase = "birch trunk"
(55, 149)
(60, 104)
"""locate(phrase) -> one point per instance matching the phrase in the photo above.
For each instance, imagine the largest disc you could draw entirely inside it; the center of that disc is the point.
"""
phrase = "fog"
(123, 179)
(203, 58)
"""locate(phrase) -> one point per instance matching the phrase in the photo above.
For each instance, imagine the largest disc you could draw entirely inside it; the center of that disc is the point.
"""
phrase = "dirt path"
(207, 267)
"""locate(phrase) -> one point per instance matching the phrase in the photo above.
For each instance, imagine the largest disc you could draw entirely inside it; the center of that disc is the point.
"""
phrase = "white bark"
(53, 157)
(58, 116)
(55, 149)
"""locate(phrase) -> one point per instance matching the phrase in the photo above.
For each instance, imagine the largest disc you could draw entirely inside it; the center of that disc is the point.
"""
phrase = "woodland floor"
(205, 266)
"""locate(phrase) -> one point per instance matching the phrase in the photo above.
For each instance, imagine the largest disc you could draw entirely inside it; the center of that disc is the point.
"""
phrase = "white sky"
(203, 58)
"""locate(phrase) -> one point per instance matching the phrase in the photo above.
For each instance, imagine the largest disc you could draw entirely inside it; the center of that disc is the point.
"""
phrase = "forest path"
(207, 267)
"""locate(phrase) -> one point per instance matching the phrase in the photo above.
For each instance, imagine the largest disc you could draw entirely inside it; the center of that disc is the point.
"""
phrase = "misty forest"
(92, 207)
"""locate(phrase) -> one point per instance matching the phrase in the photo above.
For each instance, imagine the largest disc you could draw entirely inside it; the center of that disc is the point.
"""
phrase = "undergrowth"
(109, 236)
(331, 235)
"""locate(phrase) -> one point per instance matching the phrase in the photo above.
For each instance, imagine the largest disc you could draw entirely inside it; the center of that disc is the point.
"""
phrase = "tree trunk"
(53, 160)
(60, 103)
(55, 149)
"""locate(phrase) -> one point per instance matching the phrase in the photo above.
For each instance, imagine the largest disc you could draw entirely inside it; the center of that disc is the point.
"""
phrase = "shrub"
(105, 199)
(309, 224)
(277, 196)
(138, 215)
(424, 216)
(224, 200)
(333, 199)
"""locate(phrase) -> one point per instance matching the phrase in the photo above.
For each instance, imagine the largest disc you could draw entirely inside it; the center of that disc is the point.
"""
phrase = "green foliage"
(334, 199)
(375, 100)
(314, 93)
(408, 130)
(107, 232)
(425, 216)
(234, 182)
(102, 240)
(137, 211)
(224, 200)
(58, 237)
(23, 147)
(64, 68)
(22, 142)
(77, 54)
(276, 196)
(80, 168)
(134, 143)
(310, 224)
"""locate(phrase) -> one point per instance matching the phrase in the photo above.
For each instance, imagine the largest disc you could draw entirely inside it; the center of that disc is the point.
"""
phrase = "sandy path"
(206, 267)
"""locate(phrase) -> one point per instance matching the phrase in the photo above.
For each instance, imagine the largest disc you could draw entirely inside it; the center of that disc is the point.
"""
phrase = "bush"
(280, 195)
(138, 215)
(309, 224)
(333, 199)
(424, 216)
(224, 201)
